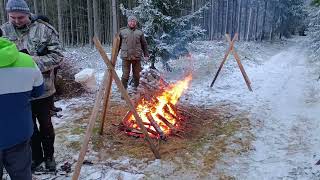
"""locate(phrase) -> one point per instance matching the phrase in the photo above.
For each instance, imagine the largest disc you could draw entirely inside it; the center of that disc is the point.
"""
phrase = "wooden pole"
(107, 94)
(93, 117)
(126, 97)
(236, 56)
(224, 59)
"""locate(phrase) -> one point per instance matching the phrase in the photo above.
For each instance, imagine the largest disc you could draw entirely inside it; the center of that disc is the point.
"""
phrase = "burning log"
(129, 113)
(156, 126)
(173, 107)
(164, 120)
(152, 132)
(130, 130)
(167, 111)
(127, 117)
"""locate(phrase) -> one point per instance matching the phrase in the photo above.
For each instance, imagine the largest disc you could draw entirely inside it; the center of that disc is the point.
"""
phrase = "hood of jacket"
(8, 52)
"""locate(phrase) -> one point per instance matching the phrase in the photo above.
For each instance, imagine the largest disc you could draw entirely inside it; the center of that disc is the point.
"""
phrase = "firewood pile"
(151, 84)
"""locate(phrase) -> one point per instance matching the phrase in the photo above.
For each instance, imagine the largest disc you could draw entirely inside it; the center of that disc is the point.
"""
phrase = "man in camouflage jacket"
(133, 46)
(40, 40)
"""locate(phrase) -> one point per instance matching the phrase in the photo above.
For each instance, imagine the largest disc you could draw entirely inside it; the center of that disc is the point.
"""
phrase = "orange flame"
(165, 100)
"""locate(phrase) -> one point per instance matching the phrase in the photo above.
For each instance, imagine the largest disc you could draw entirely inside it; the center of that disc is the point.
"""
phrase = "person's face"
(132, 23)
(19, 19)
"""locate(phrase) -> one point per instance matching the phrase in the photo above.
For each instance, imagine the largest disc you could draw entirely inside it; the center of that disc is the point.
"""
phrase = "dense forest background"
(255, 20)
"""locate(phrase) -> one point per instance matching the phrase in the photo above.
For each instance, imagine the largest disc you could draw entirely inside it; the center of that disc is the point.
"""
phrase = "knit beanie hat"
(17, 6)
(132, 17)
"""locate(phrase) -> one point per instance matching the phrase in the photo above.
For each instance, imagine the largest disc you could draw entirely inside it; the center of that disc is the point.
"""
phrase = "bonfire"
(157, 107)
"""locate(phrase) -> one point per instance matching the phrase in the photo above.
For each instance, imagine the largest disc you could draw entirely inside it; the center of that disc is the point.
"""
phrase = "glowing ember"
(159, 115)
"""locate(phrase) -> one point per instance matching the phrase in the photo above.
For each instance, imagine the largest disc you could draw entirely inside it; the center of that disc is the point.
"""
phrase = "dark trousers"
(126, 68)
(42, 141)
(17, 161)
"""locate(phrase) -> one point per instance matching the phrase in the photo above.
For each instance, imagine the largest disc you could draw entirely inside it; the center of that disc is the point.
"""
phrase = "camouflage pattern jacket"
(35, 36)
(132, 44)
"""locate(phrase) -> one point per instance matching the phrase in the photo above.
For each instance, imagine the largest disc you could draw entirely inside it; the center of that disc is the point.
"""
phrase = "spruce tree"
(167, 29)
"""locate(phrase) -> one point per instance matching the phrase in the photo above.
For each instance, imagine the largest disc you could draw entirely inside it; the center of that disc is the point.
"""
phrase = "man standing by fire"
(133, 46)
(40, 40)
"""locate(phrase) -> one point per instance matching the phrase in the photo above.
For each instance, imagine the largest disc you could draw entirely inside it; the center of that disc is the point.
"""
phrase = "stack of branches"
(151, 84)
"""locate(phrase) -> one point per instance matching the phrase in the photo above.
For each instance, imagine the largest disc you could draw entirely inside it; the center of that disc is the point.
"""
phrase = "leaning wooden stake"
(107, 93)
(236, 56)
(225, 58)
(126, 97)
(93, 117)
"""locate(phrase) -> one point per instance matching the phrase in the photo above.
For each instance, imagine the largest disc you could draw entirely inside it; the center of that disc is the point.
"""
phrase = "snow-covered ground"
(277, 123)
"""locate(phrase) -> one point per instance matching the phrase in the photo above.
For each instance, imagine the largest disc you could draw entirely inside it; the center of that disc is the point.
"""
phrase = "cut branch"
(156, 126)
(164, 120)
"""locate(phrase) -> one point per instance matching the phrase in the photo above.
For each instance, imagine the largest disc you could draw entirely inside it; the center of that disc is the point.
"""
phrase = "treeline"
(78, 20)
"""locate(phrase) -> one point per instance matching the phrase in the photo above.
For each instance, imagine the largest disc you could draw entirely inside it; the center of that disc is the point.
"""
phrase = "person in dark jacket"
(20, 80)
(133, 46)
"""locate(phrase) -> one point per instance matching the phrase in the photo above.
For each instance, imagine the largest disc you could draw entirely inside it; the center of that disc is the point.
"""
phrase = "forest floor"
(270, 133)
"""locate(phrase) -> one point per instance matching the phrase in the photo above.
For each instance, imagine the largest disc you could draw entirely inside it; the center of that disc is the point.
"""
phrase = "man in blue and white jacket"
(20, 80)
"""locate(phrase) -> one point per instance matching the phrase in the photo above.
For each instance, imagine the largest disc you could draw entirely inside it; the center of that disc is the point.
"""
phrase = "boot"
(56, 109)
(50, 164)
(135, 83)
(35, 165)
(124, 82)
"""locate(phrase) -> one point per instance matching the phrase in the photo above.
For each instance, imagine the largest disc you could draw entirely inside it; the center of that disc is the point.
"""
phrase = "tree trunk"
(2, 13)
(264, 20)
(221, 10)
(192, 6)
(239, 18)
(71, 23)
(257, 22)
(226, 18)
(90, 27)
(43, 7)
(35, 6)
(249, 24)
(60, 21)
(245, 19)
(96, 20)
(234, 17)
(114, 18)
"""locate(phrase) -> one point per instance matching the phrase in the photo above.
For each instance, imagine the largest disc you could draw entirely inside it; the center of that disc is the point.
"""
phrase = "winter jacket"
(20, 79)
(36, 37)
(132, 44)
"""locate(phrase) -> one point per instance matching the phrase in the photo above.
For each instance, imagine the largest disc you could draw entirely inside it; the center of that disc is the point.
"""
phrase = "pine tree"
(166, 30)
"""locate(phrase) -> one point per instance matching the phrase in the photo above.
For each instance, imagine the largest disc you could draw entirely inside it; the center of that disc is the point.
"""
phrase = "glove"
(25, 51)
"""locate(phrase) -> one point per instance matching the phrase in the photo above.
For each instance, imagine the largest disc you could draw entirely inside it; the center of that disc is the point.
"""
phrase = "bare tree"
(60, 21)
(249, 24)
(90, 26)
(2, 13)
(71, 22)
(35, 6)
(114, 18)
(43, 7)
(264, 20)
(96, 21)
(239, 18)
